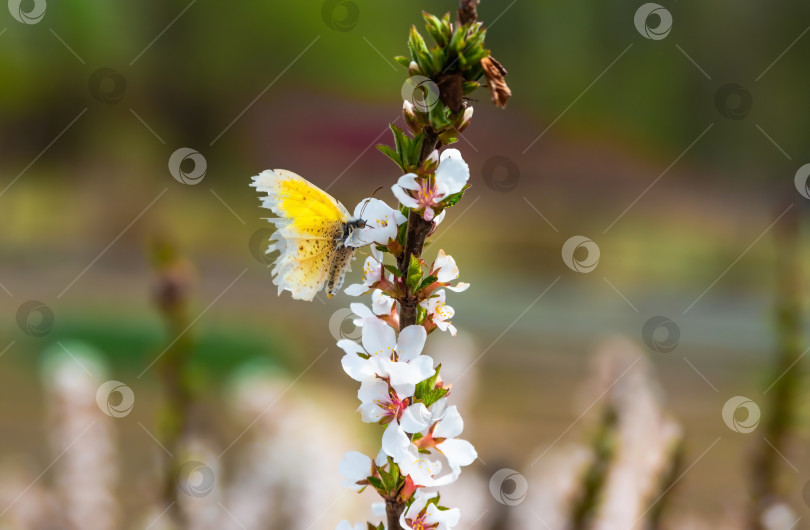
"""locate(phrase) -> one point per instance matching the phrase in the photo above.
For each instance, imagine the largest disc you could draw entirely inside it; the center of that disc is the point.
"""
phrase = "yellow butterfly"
(312, 232)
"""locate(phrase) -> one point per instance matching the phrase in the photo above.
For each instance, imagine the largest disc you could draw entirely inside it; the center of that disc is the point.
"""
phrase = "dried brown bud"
(498, 90)
(467, 11)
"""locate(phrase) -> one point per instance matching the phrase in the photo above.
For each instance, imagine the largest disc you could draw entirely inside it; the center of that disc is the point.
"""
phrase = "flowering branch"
(316, 239)
(399, 387)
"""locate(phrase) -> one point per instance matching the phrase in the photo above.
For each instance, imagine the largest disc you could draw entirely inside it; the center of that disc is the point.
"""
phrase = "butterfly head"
(357, 223)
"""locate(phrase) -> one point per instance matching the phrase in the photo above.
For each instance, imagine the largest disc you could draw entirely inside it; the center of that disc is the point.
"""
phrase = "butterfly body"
(312, 229)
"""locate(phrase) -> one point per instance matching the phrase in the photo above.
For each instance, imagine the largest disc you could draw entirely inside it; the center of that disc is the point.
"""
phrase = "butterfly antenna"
(362, 211)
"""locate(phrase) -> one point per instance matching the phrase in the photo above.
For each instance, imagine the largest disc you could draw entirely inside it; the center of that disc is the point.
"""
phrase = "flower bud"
(411, 119)
(413, 69)
(465, 119)
(407, 108)
(431, 163)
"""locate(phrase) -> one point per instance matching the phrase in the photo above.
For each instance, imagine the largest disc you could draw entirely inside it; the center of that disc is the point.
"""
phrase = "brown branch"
(418, 230)
(393, 509)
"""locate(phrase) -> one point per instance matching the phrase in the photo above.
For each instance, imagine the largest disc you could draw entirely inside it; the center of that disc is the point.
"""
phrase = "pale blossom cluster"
(400, 388)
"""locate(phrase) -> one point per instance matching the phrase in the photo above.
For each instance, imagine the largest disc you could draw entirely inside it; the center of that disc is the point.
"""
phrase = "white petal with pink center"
(379, 401)
(439, 312)
(382, 222)
(434, 456)
(424, 194)
(402, 376)
(423, 513)
(381, 344)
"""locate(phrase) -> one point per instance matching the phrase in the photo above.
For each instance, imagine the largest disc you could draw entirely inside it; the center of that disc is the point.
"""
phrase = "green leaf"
(427, 393)
(471, 86)
(414, 276)
(434, 27)
(457, 40)
(394, 471)
(385, 478)
(393, 270)
(421, 314)
(388, 151)
(424, 387)
(434, 395)
(381, 248)
(420, 52)
(427, 281)
(404, 61)
(399, 139)
(416, 150)
(438, 117)
(377, 484)
(402, 231)
(453, 199)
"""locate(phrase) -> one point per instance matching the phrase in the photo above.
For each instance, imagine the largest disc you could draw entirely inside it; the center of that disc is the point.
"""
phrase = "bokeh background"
(676, 156)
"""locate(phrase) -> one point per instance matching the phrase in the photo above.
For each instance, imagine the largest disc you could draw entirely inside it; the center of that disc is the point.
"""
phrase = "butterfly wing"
(309, 229)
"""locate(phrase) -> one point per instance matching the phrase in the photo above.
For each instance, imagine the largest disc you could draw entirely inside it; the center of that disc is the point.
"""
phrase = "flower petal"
(395, 442)
(445, 519)
(357, 368)
(416, 418)
(410, 343)
(451, 425)
(458, 452)
(409, 182)
(357, 289)
(403, 197)
(459, 287)
(350, 347)
(379, 338)
(353, 468)
(452, 174)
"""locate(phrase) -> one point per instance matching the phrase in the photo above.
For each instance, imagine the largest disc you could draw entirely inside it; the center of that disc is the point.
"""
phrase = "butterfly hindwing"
(310, 230)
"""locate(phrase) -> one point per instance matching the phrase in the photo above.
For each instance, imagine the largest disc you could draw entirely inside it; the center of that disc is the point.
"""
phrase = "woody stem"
(418, 230)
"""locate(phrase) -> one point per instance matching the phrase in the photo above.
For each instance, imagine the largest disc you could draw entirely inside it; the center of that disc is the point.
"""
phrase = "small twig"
(467, 11)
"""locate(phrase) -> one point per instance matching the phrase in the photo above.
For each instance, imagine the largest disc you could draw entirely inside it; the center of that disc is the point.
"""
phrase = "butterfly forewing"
(311, 228)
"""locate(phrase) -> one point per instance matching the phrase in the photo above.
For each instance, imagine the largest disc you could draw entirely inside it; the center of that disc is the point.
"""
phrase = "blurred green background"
(625, 124)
